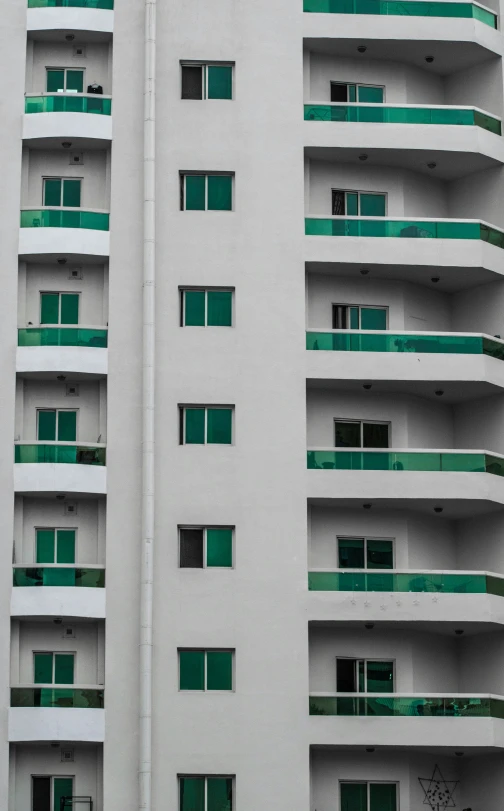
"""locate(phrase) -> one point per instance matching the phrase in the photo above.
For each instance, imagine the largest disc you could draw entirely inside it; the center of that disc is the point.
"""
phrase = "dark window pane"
(219, 193)
(45, 546)
(380, 677)
(340, 313)
(380, 554)
(75, 80)
(383, 797)
(63, 668)
(194, 426)
(195, 192)
(345, 675)
(67, 426)
(375, 435)
(372, 205)
(219, 308)
(192, 794)
(192, 82)
(219, 670)
(43, 668)
(191, 548)
(371, 95)
(194, 308)
(49, 308)
(338, 202)
(71, 193)
(219, 426)
(219, 794)
(46, 425)
(353, 796)
(219, 547)
(63, 787)
(373, 318)
(347, 434)
(55, 80)
(52, 191)
(41, 794)
(69, 308)
(351, 553)
(339, 92)
(220, 82)
(192, 669)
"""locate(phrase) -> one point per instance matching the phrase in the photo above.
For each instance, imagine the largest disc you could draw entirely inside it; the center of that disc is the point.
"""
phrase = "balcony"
(69, 467)
(64, 231)
(67, 591)
(48, 713)
(405, 114)
(71, 15)
(67, 115)
(62, 349)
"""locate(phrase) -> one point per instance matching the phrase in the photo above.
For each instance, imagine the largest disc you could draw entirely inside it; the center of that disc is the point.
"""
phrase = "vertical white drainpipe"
(148, 366)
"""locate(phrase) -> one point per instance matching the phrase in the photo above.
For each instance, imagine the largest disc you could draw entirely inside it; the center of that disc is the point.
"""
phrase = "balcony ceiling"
(454, 391)
(451, 279)
(452, 509)
(58, 35)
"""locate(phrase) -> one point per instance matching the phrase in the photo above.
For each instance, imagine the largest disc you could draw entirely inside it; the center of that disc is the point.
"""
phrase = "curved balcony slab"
(67, 125)
(59, 478)
(78, 359)
(58, 601)
(70, 19)
(82, 241)
(56, 724)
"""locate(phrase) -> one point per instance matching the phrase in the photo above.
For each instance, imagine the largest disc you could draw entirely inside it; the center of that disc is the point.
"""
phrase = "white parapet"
(56, 724)
(81, 359)
(84, 241)
(58, 601)
(51, 477)
(70, 19)
(67, 125)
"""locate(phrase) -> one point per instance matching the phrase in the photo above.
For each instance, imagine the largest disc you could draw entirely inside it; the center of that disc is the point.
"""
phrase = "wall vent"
(79, 50)
(75, 272)
(76, 158)
(67, 755)
(72, 390)
(69, 632)
(70, 508)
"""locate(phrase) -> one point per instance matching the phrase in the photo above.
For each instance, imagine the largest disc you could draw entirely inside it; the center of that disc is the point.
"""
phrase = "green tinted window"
(371, 95)
(192, 670)
(347, 434)
(43, 668)
(195, 192)
(380, 677)
(383, 797)
(45, 545)
(49, 308)
(351, 553)
(351, 204)
(354, 318)
(372, 205)
(69, 308)
(220, 81)
(194, 426)
(75, 80)
(219, 548)
(219, 426)
(67, 426)
(351, 92)
(71, 193)
(192, 794)
(52, 191)
(63, 787)
(63, 668)
(55, 80)
(219, 193)
(353, 796)
(219, 670)
(65, 546)
(219, 306)
(373, 318)
(380, 554)
(194, 308)
(46, 425)
(220, 794)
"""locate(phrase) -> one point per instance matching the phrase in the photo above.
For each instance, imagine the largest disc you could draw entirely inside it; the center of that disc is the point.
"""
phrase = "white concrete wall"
(90, 404)
(480, 539)
(43, 55)
(40, 163)
(92, 289)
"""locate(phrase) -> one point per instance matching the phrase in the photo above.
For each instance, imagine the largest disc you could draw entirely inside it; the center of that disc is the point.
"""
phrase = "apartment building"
(253, 368)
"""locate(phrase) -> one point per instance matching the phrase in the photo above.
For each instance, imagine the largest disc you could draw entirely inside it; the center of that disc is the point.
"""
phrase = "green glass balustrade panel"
(192, 670)
(219, 794)
(60, 454)
(405, 229)
(71, 193)
(494, 465)
(495, 585)
(219, 426)
(401, 115)
(52, 191)
(49, 308)
(95, 220)
(69, 308)
(192, 793)
(220, 195)
(46, 423)
(194, 419)
(220, 82)
(220, 308)
(380, 677)
(75, 81)
(394, 342)
(195, 192)
(42, 668)
(353, 797)
(219, 548)
(96, 338)
(54, 576)
(59, 577)
(65, 546)
(57, 697)
(431, 582)
(382, 797)
(401, 706)
(404, 460)
(219, 670)
(55, 80)
(71, 103)
(67, 426)
(408, 8)
(194, 308)
(45, 545)
(64, 668)
(99, 4)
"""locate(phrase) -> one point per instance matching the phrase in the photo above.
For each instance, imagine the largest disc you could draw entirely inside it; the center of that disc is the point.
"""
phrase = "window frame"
(62, 178)
(368, 784)
(206, 651)
(182, 422)
(59, 293)
(359, 193)
(205, 290)
(55, 530)
(365, 538)
(365, 660)
(205, 528)
(51, 777)
(65, 71)
(362, 423)
(357, 85)
(206, 175)
(204, 79)
(54, 653)
(206, 777)
(57, 410)
(361, 307)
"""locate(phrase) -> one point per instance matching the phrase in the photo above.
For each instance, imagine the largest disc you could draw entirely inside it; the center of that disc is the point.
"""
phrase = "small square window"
(206, 547)
(206, 308)
(207, 81)
(206, 192)
(205, 670)
(210, 793)
(206, 425)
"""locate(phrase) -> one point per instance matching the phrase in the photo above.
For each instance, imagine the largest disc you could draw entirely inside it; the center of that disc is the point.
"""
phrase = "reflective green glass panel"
(96, 338)
(49, 308)
(379, 554)
(220, 193)
(373, 318)
(219, 670)
(59, 454)
(219, 794)
(380, 677)
(45, 545)
(75, 80)
(194, 426)
(43, 668)
(52, 191)
(67, 426)
(63, 668)
(195, 192)
(55, 80)
(373, 95)
(372, 205)
(353, 796)
(192, 793)
(219, 548)
(46, 425)
(192, 670)
(382, 797)
(408, 8)
(59, 577)
(69, 308)
(220, 81)
(219, 426)
(194, 308)
(219, 306)
(352, 204)
(71, 193)
(354, 317)
(95, 220)
(352, 92)
(57, 697)
(53, 576)
(351, 553)
(65, 546)
(63, 787)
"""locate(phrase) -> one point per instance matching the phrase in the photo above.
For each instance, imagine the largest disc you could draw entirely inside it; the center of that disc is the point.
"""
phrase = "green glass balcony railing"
(402, 8)
(59, 576)
(412, 706)
(462, 462)
(64, 218)
(397, 342)
(435, 582)
(406, 229)
(71, 103)
(81, 697)
(62, 336)
(103, 4)
(59, 454)
(381, 114)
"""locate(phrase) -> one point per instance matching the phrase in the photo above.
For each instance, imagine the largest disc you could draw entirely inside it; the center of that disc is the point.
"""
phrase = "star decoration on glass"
(438, 791)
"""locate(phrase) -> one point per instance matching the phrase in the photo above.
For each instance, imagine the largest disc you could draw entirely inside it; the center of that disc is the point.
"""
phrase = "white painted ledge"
(82, 359)
(85, 241)
(56, 724)
(57, 601)
(70, 19)
(59, 478)
(67, 125)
